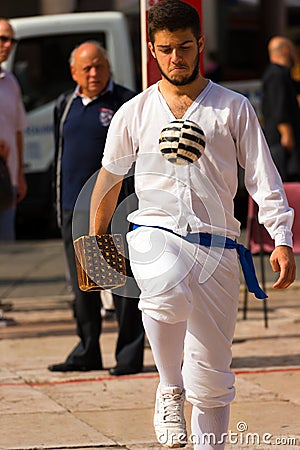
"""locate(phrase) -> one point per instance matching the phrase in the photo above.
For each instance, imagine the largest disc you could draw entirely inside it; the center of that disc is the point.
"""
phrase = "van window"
(41, 66)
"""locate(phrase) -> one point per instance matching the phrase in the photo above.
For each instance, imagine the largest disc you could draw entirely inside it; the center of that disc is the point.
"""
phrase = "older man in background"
(82, 118)
(281, 113)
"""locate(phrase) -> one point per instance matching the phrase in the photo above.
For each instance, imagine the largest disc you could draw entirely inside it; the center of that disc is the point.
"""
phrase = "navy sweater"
(84, 134)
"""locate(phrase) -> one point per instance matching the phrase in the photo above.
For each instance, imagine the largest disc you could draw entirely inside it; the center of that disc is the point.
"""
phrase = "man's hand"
(287, 138)
(282, 260)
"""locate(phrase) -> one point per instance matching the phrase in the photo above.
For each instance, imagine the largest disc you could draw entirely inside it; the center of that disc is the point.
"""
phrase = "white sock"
(167, 341)
(209, 427)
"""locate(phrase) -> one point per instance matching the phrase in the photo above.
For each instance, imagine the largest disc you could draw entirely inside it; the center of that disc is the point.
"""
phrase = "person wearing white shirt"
(189, 285)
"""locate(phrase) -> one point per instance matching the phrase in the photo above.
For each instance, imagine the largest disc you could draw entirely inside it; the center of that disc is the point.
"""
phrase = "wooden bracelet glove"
(100, 262)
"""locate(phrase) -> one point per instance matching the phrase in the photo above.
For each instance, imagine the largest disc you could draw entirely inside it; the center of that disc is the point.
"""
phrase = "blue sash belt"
(214, 240)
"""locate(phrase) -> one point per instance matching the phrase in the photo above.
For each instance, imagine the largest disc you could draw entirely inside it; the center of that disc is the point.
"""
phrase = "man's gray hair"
(94, 42)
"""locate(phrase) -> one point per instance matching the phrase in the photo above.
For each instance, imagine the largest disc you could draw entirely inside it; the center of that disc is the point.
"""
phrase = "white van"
(40, 63)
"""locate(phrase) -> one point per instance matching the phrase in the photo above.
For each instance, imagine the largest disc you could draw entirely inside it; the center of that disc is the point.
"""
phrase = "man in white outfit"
(188, 275)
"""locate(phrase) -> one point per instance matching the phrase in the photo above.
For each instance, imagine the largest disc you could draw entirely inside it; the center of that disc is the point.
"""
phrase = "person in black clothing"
(281, 114)
(81, 121)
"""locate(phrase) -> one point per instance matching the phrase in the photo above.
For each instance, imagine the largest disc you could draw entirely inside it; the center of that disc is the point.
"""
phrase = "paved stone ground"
(92, 410)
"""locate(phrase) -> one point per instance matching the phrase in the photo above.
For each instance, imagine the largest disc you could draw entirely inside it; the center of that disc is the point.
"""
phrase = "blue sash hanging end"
(245, 256)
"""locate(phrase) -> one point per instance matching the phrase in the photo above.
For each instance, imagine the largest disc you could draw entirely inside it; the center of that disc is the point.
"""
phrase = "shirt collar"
(86, 100)
(2, 73)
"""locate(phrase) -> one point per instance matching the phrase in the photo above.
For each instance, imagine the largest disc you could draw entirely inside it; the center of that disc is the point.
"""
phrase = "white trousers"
(180, 281)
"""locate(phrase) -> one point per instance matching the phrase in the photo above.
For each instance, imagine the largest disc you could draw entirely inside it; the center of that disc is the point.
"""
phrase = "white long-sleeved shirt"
(198, 197)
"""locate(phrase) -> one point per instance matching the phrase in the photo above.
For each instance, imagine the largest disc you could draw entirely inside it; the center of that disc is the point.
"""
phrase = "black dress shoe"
(67, 367)
(117, 371)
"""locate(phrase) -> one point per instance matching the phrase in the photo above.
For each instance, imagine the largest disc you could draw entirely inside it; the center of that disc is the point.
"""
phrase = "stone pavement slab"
(48, 431)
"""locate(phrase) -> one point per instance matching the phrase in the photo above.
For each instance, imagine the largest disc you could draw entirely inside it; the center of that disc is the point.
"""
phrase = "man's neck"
(180, 98)
(191, 90)
(281, 62)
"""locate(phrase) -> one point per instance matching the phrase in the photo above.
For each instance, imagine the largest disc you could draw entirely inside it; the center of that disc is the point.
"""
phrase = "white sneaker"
(169, 422)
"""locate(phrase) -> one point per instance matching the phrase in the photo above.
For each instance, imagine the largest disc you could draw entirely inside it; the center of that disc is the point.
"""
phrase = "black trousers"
(87, 312)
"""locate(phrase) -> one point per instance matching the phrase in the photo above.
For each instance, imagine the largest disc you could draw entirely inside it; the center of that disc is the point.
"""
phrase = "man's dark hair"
(173, 15)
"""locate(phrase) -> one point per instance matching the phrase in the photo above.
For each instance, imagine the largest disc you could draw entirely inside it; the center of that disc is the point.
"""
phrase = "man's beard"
(185, 80)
